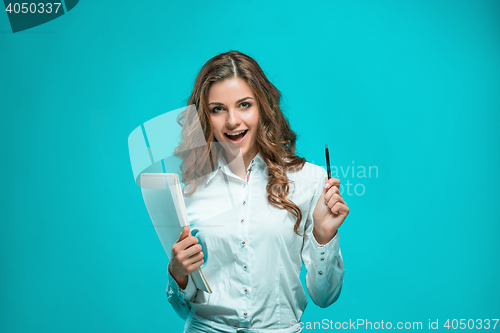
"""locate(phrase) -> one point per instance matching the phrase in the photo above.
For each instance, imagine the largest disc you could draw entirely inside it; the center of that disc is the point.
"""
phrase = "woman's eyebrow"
(237, 102)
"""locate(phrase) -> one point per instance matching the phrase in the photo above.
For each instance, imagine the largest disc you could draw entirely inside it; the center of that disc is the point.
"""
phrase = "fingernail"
(327, 185)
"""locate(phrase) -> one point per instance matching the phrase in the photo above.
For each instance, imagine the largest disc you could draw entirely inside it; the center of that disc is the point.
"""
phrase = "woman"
(255, 209)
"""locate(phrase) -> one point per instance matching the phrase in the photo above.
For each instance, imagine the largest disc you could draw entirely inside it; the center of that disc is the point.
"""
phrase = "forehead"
(229, 90)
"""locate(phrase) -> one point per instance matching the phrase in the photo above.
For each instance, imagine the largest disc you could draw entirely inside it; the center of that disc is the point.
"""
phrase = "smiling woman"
(234, 120)
(273, 208)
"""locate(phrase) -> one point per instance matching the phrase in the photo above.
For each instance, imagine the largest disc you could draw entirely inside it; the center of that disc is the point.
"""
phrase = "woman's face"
(233, 109)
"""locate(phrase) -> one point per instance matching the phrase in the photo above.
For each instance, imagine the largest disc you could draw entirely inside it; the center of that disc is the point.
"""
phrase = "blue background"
(409, 87)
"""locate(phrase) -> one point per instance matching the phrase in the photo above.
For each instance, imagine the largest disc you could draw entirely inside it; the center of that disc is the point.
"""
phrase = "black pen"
(328, 162)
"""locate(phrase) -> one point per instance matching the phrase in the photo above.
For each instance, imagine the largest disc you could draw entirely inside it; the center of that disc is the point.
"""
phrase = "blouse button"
(244, 202)
(245, 267)
(242, 220)
(245, 314)
(320, 272)
(244, 184)
(322, 253)
(243, 243)
(322, 259)
(246, 291)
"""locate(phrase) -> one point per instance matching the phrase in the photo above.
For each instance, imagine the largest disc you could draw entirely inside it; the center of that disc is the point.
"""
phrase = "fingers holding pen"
(332, 182)
(333, 198)
(332, 186)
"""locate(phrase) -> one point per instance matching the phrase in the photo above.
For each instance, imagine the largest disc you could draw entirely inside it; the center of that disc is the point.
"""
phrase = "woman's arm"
(180, 299)
(324, 264)
(185, 258)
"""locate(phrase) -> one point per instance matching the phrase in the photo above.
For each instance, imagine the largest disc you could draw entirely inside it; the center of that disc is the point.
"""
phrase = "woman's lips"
(239, 140)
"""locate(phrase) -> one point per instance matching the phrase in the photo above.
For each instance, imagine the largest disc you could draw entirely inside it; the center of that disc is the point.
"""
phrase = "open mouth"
(238, 137)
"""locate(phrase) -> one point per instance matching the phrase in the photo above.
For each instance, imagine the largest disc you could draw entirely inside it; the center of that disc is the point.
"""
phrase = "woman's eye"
(218, 109)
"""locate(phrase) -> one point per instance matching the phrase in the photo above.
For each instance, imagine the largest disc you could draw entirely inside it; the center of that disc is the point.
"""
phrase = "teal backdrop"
(408, 88)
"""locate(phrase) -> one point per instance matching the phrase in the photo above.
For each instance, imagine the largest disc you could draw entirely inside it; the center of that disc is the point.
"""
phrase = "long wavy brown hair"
(275, 139)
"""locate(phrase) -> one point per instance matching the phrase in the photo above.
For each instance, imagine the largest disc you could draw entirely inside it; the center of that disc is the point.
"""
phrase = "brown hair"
(275, 139)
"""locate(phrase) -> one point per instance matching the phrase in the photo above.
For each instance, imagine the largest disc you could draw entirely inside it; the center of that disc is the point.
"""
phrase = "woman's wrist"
(324, 236)
(182, 280)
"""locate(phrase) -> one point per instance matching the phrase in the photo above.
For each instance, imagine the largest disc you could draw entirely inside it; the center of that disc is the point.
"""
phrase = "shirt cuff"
(185, 294)
(324, 254)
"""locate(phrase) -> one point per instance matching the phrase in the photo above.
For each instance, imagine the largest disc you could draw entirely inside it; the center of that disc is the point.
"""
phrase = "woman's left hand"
(331, 209)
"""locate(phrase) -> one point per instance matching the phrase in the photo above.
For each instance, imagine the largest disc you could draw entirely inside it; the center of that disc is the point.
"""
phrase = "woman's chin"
(231, 148)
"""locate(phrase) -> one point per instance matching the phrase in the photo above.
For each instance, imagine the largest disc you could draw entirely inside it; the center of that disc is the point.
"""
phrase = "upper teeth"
(235, 133)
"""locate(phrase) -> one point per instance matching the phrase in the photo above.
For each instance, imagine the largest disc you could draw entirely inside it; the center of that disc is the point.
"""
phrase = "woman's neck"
(239, 164)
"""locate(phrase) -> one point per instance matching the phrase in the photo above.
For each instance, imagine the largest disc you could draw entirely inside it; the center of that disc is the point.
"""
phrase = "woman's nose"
(233, 119)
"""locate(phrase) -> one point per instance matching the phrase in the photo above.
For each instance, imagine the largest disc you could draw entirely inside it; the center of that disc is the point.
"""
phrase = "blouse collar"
(221, 164)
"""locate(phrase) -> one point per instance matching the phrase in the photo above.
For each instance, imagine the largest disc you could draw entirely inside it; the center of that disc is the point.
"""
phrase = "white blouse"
(253, 256)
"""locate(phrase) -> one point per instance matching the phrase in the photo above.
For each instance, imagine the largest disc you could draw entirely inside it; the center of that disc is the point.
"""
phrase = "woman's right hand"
(185, 258)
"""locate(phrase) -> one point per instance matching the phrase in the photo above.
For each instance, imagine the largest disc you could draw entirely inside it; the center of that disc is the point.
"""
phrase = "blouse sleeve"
(181, 299)
(324, 264)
